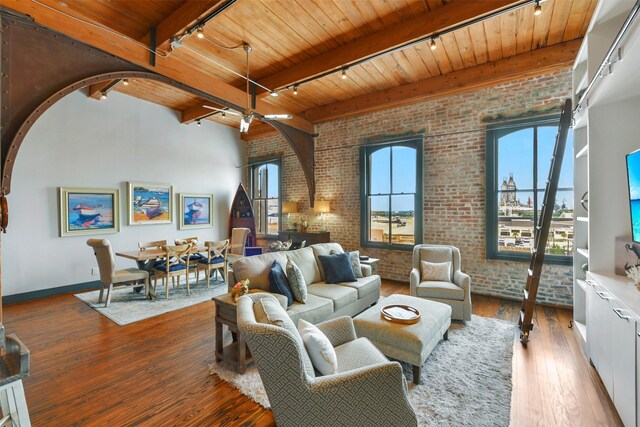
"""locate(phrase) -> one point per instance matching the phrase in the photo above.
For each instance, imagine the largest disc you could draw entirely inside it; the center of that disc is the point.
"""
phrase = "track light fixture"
(273, 93)
(344, 73)
(103, 94)
(538, 9)
(295, 89)
(200, 32)
(224, 114)
(433, 44)
(199, 122)
(125, 82)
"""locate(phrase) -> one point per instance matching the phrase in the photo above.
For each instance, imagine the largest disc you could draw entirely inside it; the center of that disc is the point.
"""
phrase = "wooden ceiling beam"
(95, 90)
(194, 113)
(182, 19)
(454, 12)
(520, 66)
(133, 51)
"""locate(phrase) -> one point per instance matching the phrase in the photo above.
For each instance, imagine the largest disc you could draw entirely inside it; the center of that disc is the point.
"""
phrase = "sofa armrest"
(463, 281)
(414, 281)
(339, 330)
(366, 270)
(384, 383)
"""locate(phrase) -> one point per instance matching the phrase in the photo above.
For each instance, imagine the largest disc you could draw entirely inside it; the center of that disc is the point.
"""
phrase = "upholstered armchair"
(367, 390)
(455, 292)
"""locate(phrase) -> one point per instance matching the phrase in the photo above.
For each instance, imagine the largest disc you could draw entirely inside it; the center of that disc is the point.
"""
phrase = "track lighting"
(224, 114)
(538, 9)
(103, 94)
(199, 122)
(344, 73)
(200, 32)
(125, 82)
(295, 89)
(433, 44)
(273, 93)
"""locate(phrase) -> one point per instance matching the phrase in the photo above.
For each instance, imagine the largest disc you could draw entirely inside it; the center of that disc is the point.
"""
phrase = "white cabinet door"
(603, 318)
(592, 324)
(623, 360)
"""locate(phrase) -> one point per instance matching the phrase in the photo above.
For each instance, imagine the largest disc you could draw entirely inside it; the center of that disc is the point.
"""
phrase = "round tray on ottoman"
(399, 313)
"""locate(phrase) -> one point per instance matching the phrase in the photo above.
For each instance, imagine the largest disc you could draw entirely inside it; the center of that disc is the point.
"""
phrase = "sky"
(404, 178)
(515, 154)
(633, 166)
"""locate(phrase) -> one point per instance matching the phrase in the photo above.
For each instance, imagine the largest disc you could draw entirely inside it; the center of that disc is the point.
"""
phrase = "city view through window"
(524, 158)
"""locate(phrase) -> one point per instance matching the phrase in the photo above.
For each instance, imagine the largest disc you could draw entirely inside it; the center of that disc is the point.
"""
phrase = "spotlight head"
(273, 93)
(103, 95)
(433, 44)
(125, 82)
(199, 122)
(200, 32)
(538, 9)
(295, 89)
(344, 73)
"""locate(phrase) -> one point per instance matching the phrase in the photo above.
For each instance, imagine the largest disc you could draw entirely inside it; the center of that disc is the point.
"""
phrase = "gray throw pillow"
(354, 259)
(269, 311)
(296, 282)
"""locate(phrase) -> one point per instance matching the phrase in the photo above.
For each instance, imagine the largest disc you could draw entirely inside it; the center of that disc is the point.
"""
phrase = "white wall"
(80, 142)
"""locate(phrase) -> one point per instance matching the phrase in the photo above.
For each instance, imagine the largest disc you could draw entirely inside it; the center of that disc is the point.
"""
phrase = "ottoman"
(407, 343)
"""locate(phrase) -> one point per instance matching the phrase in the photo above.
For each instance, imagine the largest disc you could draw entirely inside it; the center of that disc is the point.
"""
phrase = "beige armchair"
(108, 273)
(456, 292)
(367, 390)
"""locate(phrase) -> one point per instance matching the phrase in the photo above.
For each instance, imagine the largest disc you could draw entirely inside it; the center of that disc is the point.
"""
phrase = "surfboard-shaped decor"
(242, 215)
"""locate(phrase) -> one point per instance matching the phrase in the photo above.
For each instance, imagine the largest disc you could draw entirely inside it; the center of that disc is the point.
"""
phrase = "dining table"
(146, 260)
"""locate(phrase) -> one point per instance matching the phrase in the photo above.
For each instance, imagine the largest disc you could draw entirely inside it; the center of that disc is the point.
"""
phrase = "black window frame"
(493, 133)
(366, 149)
(252, 167)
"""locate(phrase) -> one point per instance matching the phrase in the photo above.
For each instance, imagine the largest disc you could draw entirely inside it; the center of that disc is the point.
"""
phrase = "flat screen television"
(633, 178)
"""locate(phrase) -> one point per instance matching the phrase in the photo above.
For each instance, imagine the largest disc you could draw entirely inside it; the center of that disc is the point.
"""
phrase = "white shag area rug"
(128, 306)
(466, 381)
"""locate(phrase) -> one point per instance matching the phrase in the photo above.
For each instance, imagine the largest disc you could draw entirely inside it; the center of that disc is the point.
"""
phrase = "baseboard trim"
(43, 293)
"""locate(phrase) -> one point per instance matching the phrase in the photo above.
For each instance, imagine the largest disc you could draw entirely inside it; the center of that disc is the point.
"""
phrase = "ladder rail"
(543, 227)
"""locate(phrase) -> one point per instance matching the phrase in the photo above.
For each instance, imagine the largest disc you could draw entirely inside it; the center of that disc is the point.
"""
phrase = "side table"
(373, 262)
(237, 352)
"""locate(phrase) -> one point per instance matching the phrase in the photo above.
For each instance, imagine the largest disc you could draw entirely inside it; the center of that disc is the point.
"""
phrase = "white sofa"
(325, 301)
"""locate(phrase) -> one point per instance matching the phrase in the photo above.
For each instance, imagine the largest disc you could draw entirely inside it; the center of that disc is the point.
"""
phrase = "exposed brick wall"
(454, 179)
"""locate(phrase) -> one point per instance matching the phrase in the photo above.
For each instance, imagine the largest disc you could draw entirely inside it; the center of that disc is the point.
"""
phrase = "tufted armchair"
(367, 390)
(456, 292)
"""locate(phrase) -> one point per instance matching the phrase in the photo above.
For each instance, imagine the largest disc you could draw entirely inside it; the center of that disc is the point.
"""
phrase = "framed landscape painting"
(196, 211)
(149, 203)
(89, 211)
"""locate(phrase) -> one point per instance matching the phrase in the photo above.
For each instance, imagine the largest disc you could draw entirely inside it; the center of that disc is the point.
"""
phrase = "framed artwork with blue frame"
(89, 211)
(196, 211)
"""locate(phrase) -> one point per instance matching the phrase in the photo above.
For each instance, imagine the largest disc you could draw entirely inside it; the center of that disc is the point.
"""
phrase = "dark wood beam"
(520, 66)
(454, 12)
(180, 20)
(95, 90)
(194, 113)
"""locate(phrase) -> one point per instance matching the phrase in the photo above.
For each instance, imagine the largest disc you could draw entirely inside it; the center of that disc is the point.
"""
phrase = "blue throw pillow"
(278, 283)
(337, 268)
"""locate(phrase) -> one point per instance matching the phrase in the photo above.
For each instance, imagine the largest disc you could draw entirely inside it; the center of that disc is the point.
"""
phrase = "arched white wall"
(80, 142)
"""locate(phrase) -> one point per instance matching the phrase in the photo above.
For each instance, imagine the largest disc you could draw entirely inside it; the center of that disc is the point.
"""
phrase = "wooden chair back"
(176, 255)
(216, 249)
(156, 244)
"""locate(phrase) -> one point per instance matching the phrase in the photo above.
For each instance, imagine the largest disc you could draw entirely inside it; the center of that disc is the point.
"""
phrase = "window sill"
(387, 246)
(526, 257)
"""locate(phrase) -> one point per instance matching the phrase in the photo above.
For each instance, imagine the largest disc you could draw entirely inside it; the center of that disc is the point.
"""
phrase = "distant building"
(509, 188)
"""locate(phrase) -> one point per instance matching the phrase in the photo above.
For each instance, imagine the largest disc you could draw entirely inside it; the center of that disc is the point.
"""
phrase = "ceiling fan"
(248, 114)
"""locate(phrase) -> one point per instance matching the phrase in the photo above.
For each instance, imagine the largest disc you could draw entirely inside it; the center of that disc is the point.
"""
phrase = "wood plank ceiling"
(286, 34)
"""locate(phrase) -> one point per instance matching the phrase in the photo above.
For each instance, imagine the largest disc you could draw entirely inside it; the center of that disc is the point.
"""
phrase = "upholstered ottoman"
(407, 343)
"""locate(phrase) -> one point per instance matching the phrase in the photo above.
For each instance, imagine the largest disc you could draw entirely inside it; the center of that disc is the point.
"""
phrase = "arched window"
(265, 196)
(391, 194)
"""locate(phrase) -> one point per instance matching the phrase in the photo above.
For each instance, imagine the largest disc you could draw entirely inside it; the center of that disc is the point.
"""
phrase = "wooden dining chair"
(175, 264)
(156, 244)
(108, 273)
(215, 260)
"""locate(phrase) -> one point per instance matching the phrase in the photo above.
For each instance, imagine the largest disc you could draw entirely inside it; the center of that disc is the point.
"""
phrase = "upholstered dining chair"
(109, 276)
(215, 260)
(367, 390)
(176, 264)
(238, 242)
(454, 290)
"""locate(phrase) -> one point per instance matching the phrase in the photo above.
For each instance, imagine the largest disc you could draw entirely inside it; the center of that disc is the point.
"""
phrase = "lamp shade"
(321, 206)
(289, 207)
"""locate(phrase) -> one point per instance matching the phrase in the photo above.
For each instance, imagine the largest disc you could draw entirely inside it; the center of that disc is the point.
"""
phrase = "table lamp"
(322, 207)
(289, 208)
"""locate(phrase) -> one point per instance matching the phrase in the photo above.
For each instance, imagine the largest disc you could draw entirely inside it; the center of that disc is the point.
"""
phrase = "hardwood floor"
(86, 370)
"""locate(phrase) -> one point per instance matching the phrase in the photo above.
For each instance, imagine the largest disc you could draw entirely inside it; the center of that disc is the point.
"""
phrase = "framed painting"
(196, 211)
(149, 203)
(89, 211)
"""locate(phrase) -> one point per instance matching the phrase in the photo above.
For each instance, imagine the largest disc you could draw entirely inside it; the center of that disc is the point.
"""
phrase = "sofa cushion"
(438, 254)
(315, 310)
(269, 311)
(358, 354)
(364, 285)
(340, 295)
(278, 282)
(297, 282)
(306, 262)
(337, 268)
(257, 268)
(319, 348)
(324, 249)
(440, 290)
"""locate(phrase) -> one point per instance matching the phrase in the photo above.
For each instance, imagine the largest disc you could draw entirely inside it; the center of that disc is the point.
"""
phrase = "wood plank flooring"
(88, 371)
